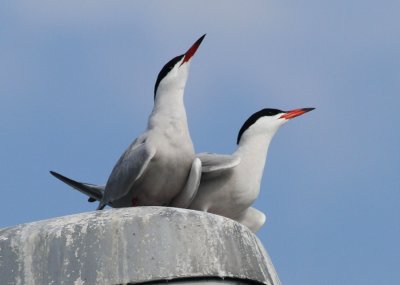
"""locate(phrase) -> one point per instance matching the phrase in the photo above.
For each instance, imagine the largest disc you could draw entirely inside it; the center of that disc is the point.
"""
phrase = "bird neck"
(169, 110)
(252, 151)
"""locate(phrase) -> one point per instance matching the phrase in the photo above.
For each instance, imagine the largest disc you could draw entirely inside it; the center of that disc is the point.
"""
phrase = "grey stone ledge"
(134, 245)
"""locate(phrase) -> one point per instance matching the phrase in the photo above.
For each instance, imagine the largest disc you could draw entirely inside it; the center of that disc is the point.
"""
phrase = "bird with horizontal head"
(231, 183)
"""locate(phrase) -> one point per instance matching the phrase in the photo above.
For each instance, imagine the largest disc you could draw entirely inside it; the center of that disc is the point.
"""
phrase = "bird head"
(267, 122)
(174, 74)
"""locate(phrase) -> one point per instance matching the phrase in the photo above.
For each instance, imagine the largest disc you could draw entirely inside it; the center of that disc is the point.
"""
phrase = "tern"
(230, 183)
(159, 168)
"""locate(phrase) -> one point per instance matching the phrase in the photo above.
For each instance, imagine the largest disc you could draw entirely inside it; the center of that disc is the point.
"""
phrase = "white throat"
(253, 149)
(169, 104)
(169, 114)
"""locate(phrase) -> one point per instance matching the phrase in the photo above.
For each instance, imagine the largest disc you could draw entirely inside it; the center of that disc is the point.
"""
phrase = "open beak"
(192, 50)
(295, 113)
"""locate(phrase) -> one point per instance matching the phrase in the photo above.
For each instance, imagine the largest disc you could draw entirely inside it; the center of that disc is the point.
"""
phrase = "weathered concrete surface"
(133, 245)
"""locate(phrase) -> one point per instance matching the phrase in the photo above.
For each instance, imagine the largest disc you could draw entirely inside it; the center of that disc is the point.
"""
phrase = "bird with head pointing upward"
(159, 168)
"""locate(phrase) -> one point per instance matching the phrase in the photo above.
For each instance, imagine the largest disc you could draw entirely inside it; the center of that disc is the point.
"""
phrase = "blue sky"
(76, 85)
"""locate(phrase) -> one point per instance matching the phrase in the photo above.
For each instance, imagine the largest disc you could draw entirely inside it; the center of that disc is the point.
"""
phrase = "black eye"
(253, 118)
(271, 112)
(164, 71)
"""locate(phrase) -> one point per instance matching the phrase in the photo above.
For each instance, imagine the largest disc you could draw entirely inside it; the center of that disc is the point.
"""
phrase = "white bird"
(159, 168)
(230, 183)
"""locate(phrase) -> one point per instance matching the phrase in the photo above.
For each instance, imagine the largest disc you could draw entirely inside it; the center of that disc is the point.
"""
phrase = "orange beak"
(295, 113)
(192, 50)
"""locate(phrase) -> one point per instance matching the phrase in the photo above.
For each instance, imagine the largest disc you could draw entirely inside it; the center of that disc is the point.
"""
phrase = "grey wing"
(128, 169)
(214, 163)
(186, 196)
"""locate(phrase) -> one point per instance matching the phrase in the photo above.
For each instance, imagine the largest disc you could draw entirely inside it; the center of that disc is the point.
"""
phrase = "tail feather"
(94, 192)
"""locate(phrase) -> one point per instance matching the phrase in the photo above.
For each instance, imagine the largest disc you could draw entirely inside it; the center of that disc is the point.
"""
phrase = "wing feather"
(213, 162)
(129, 168)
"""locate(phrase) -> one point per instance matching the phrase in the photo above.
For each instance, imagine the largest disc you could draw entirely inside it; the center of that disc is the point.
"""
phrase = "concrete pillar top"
(133, 245)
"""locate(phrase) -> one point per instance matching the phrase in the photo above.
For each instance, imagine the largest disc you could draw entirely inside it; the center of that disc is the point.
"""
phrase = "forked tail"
(95, 192)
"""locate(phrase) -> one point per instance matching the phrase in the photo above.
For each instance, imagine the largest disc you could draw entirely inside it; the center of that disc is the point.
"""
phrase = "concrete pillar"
(134, 245)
